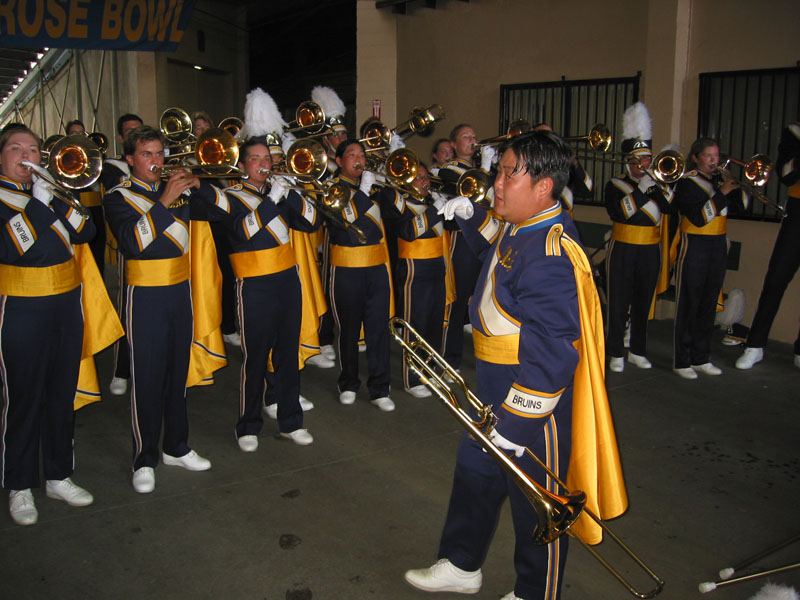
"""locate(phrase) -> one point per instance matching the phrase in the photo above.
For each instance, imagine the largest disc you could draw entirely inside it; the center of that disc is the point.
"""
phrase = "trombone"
(515, 128)
(309, 120)
(599, 138)
(74, 162)
(176, 126)
(377, 136)
(555, 513)
(756, 172)
(232, 125)
(216, 153)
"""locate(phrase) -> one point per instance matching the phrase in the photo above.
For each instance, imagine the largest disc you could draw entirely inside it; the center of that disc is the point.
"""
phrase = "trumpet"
(74, 162)
(556, 513)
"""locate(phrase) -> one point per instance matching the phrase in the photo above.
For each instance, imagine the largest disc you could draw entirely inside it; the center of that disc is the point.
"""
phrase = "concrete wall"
(459, 54)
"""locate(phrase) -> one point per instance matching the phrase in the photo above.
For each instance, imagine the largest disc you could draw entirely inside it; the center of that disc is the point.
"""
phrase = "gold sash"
(717, 226)
(357, 256)
(419, 249)
(636, 234)
(262, 262)
(164, 271)
(497, 349)
(39, 281)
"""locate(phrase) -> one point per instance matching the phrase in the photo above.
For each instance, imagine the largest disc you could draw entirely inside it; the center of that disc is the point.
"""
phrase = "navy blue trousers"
(466, 268)
(40, 352)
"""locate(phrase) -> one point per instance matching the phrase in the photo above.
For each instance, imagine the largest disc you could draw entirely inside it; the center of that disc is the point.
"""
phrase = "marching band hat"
(331, 105)
(637, 131)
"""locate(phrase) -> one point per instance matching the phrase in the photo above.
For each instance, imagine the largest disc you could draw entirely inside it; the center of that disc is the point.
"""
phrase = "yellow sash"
(717, 226)
(262, 262)
(419, 249)
(636, 234)
(497, 349)
(39, 281)
(152, 273)
(357, 256)
(91, 198)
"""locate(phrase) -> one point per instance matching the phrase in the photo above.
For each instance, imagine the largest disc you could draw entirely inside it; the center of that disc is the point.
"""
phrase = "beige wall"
(458, 55)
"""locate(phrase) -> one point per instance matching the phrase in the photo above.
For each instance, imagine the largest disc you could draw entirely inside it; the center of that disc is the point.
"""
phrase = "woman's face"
(21, 146)
(707, 160)
(352, 161)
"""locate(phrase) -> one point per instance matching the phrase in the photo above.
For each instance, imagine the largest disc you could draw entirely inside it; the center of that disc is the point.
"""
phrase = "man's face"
(516, 196)
(258, 159)
(707, 160)
(422, 181)
(443, 153)
(200, 126)
(127, 126)
(334, 139)
(76, 129)
(638, 165)
(352, 161)
(146, 155)
(464, 144)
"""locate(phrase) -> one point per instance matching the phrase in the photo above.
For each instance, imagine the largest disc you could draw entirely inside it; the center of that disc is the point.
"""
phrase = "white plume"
(636, 123)
(733, 311)
(261, 115)
(772, 591)
(328, 100)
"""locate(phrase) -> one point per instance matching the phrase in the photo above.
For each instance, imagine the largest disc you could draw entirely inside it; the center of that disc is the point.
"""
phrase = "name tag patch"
(530, 404)
(22, 232)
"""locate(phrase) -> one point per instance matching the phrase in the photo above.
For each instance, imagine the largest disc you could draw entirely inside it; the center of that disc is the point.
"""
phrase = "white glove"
(287, 139)
(501, 442)
(42, 190)
(488, 154)
(645, 183)
(367, 181)
(438, 201)
(279, 189)
(460, 206)
(396, 142)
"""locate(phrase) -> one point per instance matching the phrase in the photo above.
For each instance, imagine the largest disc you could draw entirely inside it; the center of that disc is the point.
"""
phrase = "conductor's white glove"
(279, 189)
(396, 142)
(501, 442)
(645, 183)
(287, 139)
(438, 201)
(367, 181)
(488, 154)
(460, 206)
(42, 190)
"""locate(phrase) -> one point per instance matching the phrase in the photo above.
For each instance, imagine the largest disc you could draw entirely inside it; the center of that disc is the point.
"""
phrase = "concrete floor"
(711, 466)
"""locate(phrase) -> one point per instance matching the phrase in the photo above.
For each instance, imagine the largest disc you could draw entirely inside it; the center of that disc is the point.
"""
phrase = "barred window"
(746, 111)
(572, 108)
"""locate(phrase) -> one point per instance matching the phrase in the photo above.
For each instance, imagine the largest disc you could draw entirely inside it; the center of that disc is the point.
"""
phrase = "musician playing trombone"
(704, 197)
(635, 204)
(532, 348)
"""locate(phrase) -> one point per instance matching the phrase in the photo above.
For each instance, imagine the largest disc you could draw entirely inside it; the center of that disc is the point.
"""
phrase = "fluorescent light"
(198, 67)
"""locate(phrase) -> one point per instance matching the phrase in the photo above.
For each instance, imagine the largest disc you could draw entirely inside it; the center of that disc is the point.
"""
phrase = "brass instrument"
(309, 120)
(216, 153)
(516, 127)
(555, 513)
(399, 169)
(74, 162)
(101, 140)
(756, 172)
(232, 125)
(377, 136)
(599, 138)
(176, 126)
(47, 146)
(473, 184)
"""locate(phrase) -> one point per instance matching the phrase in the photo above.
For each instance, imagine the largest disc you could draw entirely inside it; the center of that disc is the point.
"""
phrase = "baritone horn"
(555, 513)
(74, 163)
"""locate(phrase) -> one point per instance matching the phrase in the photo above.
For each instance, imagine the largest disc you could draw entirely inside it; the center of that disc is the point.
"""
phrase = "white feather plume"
(636, 123)
(261, 115)
(772, 591)
(328, 100)
(733, 311)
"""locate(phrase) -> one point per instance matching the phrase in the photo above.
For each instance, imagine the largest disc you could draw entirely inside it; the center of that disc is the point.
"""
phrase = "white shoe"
(319, 360)
(301, 437)
(639, 361)
(191, 461)
(271, 410)
(707, 369)
(347, 397)
(617, 364)
(234, 339)
(328, 352)
(626, 339)
(64, 489)
(305, 403)
(797, 360)
(385, 404)
(510, 596)
(144, 480)
(248, 443)
(419, 391)
(686, 373)
(445, 577)
(468, 329)
(750, 357)
(362, 347)
(118, 386)
(22, 508)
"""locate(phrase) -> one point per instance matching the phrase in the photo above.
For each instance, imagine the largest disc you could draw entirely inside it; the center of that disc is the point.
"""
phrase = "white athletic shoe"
(419, 391)
(347, 398)
(445, 577)
(707, 369)
(639, 361)
(234, 339)
(617, 364)
(328, 352)
(797, 360)
(750, 357)
(118, 386)
(384, 403)
(686, 373)
(320, 361)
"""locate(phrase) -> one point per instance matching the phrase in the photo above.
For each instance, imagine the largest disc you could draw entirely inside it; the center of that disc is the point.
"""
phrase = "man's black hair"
(124, 119)
(74, 122)
(342, 147)
(143, 134)
(541, 154)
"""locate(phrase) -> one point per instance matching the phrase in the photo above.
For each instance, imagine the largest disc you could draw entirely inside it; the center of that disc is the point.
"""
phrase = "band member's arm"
(699, 203)
(626, 202)
(415, 223)
(300, 212)
(549, 328)
(480, 230)
(134, 228)
(788, 163)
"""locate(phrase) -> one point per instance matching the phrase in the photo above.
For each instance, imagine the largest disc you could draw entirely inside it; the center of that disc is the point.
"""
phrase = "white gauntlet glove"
(501, 442)
(438, 201)
(279, 189)
(396, 142)
(287, 139)
(645, 183)
(488, 154)
(460, 206)
(42, 190)
(367, 181)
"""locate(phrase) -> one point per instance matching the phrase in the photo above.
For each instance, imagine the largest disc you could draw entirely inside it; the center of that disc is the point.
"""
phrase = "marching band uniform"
(41, 333)
(785, 258)
(361, 292)
(158, 317)
(701, 265)
(580, 183)
(421, 273)
(269, 300)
